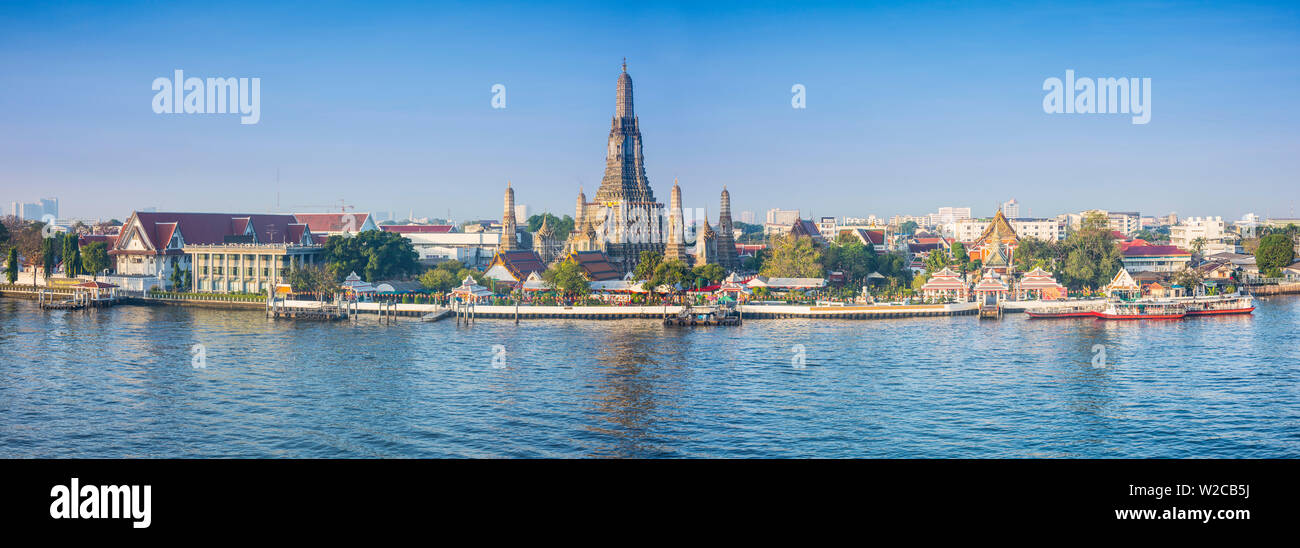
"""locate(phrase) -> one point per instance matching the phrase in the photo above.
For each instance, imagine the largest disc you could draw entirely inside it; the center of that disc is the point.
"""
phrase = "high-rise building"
(747, 217)
(1011, 209)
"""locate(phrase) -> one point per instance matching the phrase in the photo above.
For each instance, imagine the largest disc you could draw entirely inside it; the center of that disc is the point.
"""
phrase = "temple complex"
(624, 216)
(995, 248)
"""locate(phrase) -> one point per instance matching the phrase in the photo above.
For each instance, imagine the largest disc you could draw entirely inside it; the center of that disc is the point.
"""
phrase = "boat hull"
(1220, 312)
(1106, 316)
(1050, 315)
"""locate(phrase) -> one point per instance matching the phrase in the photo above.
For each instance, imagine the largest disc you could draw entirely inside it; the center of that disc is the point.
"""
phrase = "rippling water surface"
(120, 383)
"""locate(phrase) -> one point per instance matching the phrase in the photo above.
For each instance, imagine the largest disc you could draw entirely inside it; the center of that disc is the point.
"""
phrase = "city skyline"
(902, 116)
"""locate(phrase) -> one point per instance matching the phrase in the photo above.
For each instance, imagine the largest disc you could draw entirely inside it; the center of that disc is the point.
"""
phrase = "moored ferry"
(1220, 304)
(1072, 311)
(1142, 310)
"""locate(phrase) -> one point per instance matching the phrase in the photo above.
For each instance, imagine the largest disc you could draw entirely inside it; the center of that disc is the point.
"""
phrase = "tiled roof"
(595, 265)
(520, 263)
(211, 228)
(332, 222)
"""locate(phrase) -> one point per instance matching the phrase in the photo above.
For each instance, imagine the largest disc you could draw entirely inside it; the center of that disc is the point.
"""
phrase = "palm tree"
(1198, 245)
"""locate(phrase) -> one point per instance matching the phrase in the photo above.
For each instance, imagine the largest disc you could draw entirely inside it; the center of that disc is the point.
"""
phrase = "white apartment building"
(1212, 229)
(1011, 209)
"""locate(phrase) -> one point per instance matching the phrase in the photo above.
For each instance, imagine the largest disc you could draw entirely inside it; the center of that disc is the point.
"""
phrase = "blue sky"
(909, 107)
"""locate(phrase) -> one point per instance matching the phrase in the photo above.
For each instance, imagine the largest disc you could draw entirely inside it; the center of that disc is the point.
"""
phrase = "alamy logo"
(1098, 96)
(102, 501)
(183, 95)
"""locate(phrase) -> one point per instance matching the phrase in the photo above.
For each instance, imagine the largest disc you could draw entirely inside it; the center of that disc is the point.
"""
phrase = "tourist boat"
(705, 315)
(1071, 311)
(1219, 304)
(1142, 310)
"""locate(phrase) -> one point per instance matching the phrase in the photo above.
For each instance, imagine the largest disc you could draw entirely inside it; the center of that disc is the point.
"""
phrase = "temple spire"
(508, 242)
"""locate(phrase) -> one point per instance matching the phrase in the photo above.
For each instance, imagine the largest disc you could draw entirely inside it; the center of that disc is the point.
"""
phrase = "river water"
(122, 382)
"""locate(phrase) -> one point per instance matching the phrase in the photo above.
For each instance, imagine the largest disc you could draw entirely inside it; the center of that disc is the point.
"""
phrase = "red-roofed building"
(807, 228)
(325, 225)
(595, 265)
(222, 252)
(1155, 258)
(513, 267)
(945, 283)
(1040, 283)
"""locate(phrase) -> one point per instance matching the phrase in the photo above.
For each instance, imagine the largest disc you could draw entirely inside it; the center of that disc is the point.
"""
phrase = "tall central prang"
(624, 216)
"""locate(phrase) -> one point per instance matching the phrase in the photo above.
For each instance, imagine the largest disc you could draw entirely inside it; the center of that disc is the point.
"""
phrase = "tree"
(11, 270)
(960, 256)
(1091, 257)
(313, 279)
(669, 273)
(850, 257)
(95, 259)
(1198, 245)
(1033, 252)
(374, 255)
(754, 263)
(935, 261)
(645, 268)
(1187, 278)
(71, 255)
(908, 228)
(793, 257)
(50, 254)
(710, 273)
(439, 280)
(567, 277)
(1275, 251)
(180, 279)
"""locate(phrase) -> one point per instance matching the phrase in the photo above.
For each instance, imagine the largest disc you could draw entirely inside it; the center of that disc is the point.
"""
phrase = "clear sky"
(909, 107)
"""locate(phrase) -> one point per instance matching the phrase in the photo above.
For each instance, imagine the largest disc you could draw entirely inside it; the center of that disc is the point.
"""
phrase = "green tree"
(669, 273)
(180, 279)
(793, 257)
(1198, 245)
(709, 273)
(908, 228)
(1091, 257)
(95, 259)
(50, 254)
(440, 280)
(11, 269)
(1033, 252)
(959, 255)
(71, 255)
(935, 261)
(374, 255)
(855, 260)
(645, 268)
(567, 278)
(313, 279)
(1275, 251)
